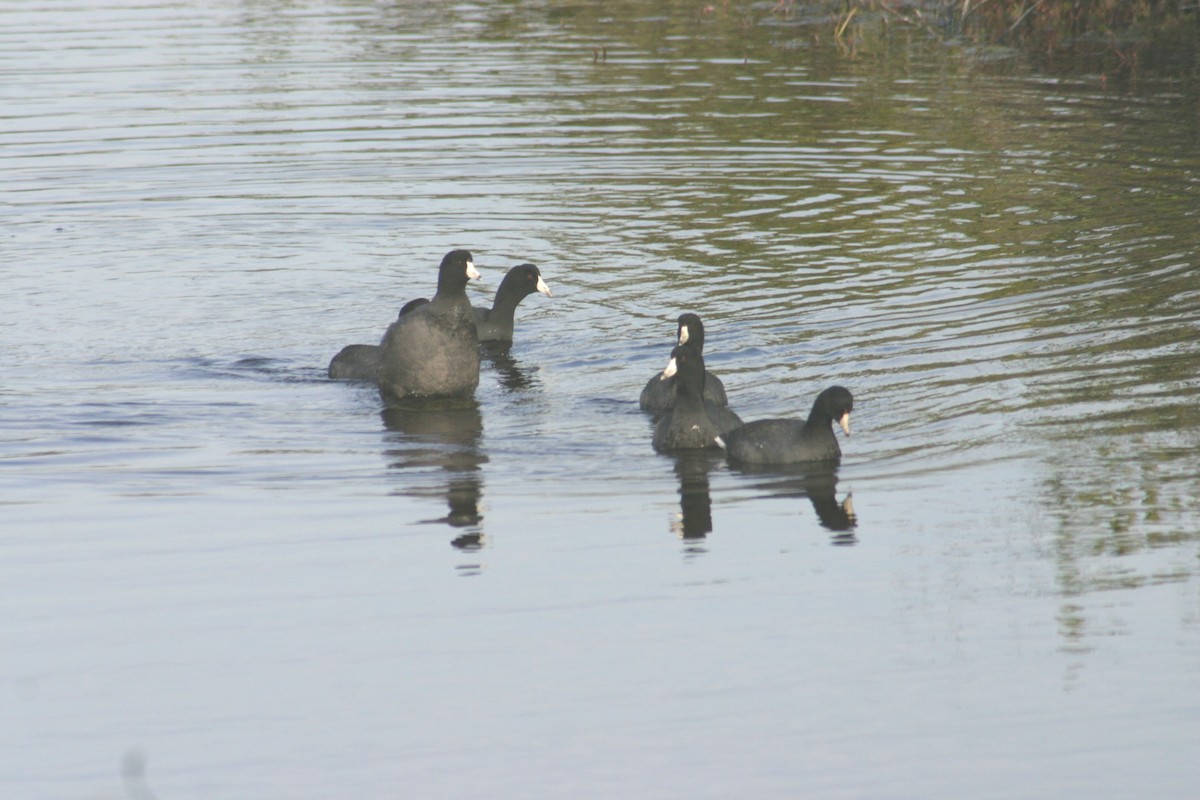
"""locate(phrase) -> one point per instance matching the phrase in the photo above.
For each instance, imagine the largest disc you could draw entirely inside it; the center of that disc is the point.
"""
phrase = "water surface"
(226, 576)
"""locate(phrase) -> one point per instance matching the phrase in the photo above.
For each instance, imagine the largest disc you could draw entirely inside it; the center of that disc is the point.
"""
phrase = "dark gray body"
(781, 441)
(790, 441)
(494, 324)
(432, 351)
(659, 395)
(692, 423)
(687, 426)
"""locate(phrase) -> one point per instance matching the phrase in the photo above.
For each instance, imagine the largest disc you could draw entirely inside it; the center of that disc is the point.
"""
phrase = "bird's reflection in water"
(694, 523)
(497, 357)
(817, 482)
(133, 771)
(437, 444)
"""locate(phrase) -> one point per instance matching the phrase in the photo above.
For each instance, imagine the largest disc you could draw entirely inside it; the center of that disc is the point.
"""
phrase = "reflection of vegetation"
(1112, 534)
(1114, 35)
(1052, 25)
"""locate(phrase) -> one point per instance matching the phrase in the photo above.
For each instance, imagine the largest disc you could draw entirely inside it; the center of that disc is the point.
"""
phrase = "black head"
(690, 331)
(523, 280)
(833, 405)
(687, 365)
(457, 268)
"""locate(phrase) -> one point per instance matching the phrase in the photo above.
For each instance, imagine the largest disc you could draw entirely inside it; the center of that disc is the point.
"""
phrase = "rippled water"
(226, 576)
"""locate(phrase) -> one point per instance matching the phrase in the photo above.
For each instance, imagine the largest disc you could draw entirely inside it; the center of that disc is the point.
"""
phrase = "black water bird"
(790, 441)
(495, 324)
(691, 423)
(433, 350)
(659, 395)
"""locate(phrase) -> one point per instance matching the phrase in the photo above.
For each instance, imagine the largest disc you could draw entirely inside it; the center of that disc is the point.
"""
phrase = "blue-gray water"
(224, 576)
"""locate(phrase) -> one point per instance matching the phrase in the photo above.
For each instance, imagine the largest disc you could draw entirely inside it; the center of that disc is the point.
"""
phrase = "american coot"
(691, 423)
(360, 362)
(659, 395)
(495, 324)
(433, 350)
(789, 441)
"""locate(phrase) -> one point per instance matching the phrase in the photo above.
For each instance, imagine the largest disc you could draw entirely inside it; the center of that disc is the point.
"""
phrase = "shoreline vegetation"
(1113, 37)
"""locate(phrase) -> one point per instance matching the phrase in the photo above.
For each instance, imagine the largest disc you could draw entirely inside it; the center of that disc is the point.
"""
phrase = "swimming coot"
(659, 395)
(495, 324)
(790, 441)
(692, 422)
(433, 350)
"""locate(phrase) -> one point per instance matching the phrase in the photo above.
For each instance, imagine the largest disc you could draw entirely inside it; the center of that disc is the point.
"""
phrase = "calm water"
(224, 576)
